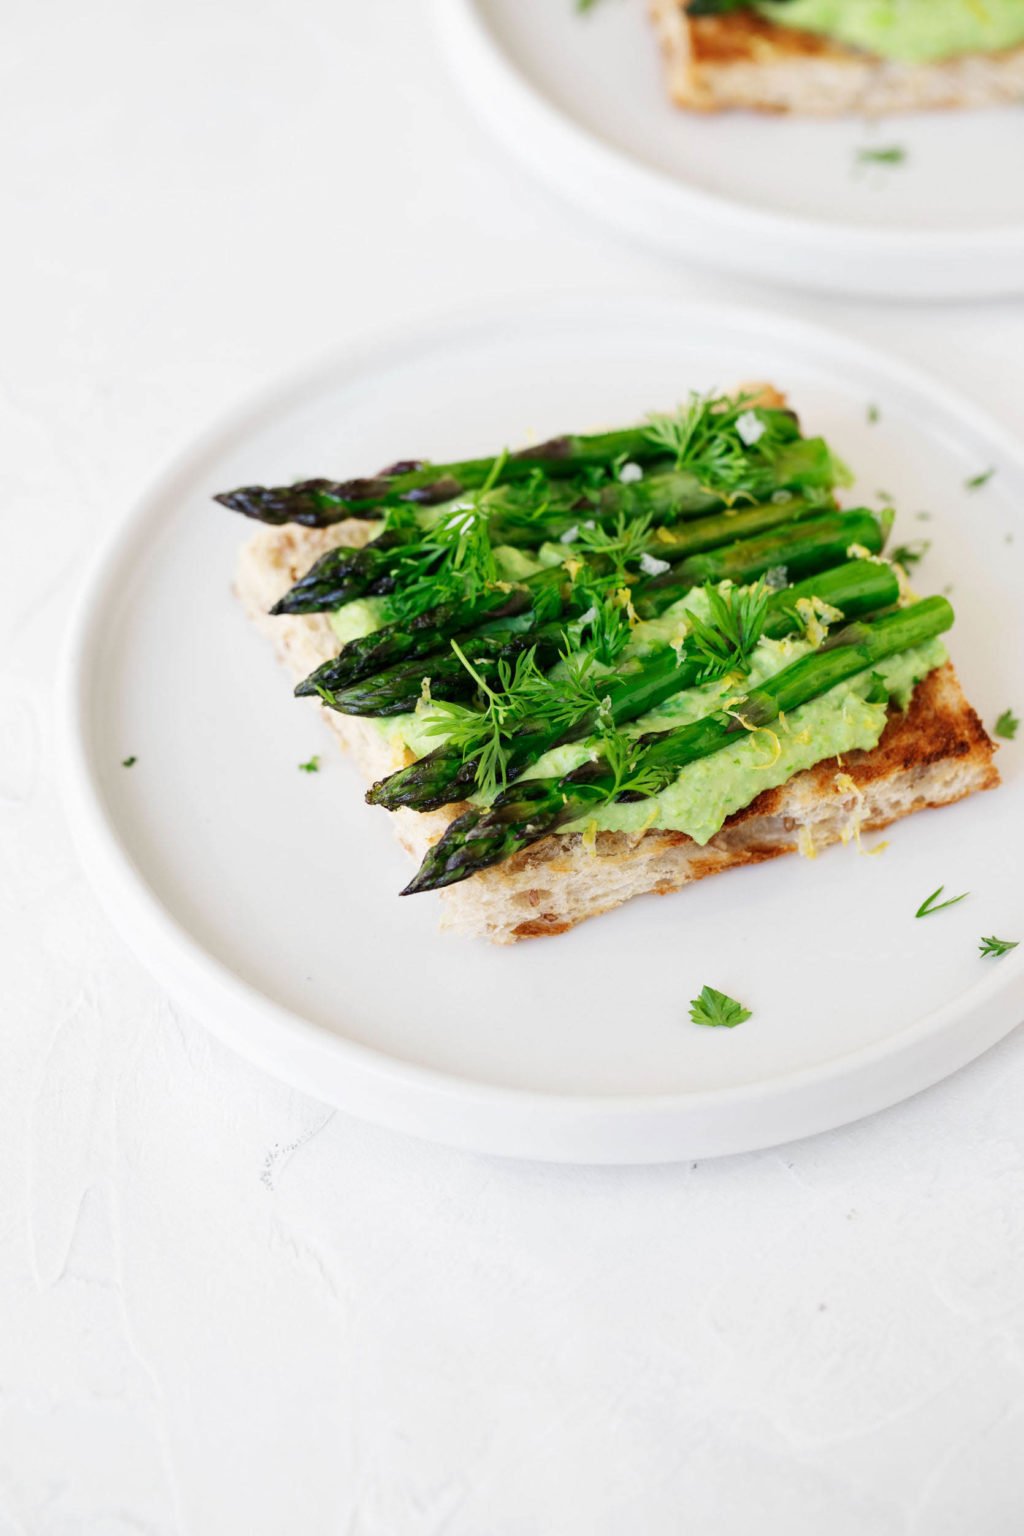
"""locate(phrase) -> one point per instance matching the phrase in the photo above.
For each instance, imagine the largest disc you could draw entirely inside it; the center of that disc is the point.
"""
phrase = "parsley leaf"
(997, 947)
(129, 762)
(313, 766)
(977, 481)
(874, 415)
(717, 1009)
(1005, 726)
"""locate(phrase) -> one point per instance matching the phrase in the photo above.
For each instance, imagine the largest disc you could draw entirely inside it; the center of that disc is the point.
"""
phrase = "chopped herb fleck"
(1005, 726)
(717, 1009)
(874, 414)
(129, 762)
(908, 555)
(313, 766)
(892, 154)
(997, 947)
(977, 481)
(930, 905)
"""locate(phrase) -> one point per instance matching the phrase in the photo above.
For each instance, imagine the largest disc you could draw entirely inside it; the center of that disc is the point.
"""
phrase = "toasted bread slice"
(741, 60)
(934, 754)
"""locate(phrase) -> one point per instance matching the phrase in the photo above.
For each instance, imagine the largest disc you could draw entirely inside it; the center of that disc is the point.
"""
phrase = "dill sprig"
(525, 695)
(621, 545)
(726, 642)
(931, 904)
(997, 947)
(453, 560)
(728, 443)
(623, 755)
(606, 621)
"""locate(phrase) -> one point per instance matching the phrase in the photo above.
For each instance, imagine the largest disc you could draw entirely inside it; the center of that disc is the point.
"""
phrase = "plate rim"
(515, 110)
(407, 1096)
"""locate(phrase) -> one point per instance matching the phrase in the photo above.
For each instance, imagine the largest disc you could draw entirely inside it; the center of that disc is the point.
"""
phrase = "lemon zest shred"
(805, 843)
(816, 615)
(861, 552)
(778, 748)
(851, 832)
(624, 599)
(646, 824)
(907, 593)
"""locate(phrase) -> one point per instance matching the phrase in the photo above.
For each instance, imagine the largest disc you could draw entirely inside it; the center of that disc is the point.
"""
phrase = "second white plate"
(267, 898)
(581, 99)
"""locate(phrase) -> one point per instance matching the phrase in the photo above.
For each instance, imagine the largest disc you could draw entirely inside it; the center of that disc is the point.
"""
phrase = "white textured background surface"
(222, 1308)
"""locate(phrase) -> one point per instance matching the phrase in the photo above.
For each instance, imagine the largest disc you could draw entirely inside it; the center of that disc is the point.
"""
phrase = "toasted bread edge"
(735, 61)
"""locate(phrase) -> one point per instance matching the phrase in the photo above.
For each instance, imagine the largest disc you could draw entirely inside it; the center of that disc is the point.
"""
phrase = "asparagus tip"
(251, 501)
(420, 881)
(437, 869)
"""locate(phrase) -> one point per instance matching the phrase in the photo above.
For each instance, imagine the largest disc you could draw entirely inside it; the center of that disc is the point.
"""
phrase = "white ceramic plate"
(266, 898)
(582, 101)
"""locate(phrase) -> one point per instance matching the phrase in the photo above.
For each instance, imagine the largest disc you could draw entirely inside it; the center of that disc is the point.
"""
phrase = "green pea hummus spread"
(915, 31)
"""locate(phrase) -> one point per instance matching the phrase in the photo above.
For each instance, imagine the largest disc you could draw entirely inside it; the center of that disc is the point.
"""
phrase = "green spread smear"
(916, 31)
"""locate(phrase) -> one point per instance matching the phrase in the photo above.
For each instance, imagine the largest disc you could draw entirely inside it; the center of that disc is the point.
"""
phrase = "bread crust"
(739, 60)
(933, 754)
